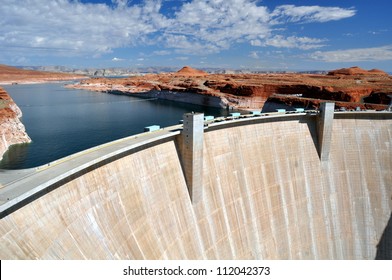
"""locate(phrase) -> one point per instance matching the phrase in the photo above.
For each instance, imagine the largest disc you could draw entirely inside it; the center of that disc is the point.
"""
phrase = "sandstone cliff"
(12, 131)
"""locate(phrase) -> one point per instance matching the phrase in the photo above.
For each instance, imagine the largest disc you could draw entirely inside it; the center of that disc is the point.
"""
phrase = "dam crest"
(312, 185)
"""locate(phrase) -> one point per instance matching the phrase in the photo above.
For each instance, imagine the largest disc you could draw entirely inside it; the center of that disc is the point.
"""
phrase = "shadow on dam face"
(384, 247)
(265, 195)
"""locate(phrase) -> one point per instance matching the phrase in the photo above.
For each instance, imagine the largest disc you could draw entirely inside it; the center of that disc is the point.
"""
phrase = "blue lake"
(63, 121)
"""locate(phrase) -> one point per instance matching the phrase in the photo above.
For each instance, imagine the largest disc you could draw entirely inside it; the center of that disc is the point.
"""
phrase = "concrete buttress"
(324, 129)
(192, 154)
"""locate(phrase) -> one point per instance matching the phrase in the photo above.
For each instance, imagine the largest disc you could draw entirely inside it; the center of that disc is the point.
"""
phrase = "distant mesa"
(354, 71)
(13, 75)
(6, 70)
(378, 72)
(189, 71)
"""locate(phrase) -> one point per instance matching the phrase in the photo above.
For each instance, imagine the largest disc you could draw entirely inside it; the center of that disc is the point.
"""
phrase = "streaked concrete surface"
(266, 195)
(18, 185)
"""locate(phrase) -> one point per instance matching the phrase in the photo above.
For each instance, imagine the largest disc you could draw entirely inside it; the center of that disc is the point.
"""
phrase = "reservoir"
(63, 121)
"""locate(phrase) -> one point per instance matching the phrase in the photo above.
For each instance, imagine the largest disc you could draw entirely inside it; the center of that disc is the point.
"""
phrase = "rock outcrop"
(12, 131)
(379, 98)
(354, 71)
(251, 91)
(189, 71)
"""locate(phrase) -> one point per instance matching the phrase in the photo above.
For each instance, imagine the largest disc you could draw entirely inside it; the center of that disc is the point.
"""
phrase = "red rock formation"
(377, 72)
(12, 131)
(189, 71)
(379, 98)
(315, 103)
(250, 91)
(353, 71)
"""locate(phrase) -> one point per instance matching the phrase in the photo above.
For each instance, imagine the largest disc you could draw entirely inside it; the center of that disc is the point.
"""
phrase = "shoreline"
(181, 97)
(211, 99)
(39, 81)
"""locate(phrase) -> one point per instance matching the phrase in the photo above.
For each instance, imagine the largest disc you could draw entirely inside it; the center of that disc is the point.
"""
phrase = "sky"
(261, 35)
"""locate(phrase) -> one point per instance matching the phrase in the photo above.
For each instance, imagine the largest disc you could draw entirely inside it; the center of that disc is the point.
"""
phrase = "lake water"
(63, 121)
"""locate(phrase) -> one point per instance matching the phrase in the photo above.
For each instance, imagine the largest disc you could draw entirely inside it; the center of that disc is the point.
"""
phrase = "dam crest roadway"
(307, 185)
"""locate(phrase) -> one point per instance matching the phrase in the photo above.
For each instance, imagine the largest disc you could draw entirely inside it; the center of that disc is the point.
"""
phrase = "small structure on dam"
(297, 185)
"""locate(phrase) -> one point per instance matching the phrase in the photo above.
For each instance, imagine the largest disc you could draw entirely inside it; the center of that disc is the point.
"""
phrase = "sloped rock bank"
(12, 131)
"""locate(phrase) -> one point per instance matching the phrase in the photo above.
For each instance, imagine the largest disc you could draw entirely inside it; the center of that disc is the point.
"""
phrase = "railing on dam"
(18, 188)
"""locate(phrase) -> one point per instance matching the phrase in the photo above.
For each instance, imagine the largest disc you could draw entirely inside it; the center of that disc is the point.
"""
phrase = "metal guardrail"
(282, 113)
(253, 115)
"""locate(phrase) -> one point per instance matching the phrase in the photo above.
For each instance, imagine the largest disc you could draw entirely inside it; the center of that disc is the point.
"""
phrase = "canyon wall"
(12, 131)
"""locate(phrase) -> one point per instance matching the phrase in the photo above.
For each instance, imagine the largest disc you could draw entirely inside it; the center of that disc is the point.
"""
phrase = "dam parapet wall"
(265, 195)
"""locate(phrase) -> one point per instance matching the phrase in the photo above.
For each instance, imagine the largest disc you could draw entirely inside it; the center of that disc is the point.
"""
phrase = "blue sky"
(232, 34)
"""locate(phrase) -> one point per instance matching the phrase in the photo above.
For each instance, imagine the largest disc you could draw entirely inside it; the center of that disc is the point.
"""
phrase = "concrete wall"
(266, 195)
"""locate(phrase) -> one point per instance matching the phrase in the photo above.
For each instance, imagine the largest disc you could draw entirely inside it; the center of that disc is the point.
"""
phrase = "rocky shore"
(12, 131)
(349, 87)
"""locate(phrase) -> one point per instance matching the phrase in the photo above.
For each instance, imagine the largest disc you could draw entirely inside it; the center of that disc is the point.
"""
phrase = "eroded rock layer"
(251, 91)
(12, 131)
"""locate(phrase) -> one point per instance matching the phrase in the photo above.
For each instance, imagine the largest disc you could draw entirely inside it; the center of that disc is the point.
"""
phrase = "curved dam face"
(265, 194)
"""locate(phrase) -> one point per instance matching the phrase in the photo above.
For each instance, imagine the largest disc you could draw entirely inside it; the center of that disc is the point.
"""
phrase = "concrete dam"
(285, 186)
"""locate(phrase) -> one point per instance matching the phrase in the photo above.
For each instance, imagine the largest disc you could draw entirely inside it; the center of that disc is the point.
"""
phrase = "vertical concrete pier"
(192, 153)
(324, 129)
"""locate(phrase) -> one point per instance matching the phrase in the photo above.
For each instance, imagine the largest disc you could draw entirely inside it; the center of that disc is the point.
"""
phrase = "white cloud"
(291, 13)
(304, 43)
(218, 24)
(353, 55)
(254, 55)
(163, 52)
(256, 43)
(72, 28)
(188, 44)
(183, 58)
(117, 59)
